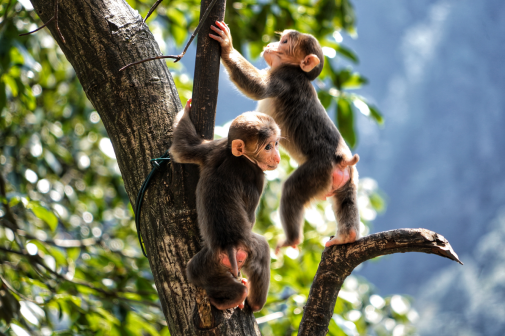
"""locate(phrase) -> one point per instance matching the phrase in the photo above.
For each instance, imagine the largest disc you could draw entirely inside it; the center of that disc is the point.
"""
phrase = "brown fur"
(286, 93)
(227, 196)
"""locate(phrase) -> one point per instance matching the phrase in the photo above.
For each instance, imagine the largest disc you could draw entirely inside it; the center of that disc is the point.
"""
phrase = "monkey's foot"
(241, 259)
(339, 240)
(294, 245)
(239, 302)
(246, 283)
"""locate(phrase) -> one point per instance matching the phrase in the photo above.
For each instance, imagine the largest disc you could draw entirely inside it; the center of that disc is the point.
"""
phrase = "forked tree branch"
(339, 261)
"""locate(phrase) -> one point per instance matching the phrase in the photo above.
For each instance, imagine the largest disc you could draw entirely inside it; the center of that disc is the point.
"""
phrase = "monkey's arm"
(252, 82)
(187, 145)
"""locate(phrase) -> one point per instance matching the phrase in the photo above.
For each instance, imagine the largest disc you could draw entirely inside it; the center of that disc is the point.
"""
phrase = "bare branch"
(152, 9)
(55, 18)
(13, 290)
(339, 261)
(181, 55)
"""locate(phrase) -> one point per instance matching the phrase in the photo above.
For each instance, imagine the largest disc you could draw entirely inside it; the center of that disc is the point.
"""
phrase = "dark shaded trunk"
(137, 107)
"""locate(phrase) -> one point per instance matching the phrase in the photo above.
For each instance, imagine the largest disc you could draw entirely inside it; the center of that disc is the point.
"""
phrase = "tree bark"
(137, 107)
(339, 261)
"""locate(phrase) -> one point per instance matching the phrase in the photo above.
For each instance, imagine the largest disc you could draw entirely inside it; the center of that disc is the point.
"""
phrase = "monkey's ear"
(309, 62)
(237, 147)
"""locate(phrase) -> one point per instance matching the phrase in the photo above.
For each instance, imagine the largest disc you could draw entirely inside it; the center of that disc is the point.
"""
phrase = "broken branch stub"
(339, 261)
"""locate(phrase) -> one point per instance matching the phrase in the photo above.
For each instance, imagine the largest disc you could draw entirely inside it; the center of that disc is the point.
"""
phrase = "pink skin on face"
(277, 53)
(268, 157)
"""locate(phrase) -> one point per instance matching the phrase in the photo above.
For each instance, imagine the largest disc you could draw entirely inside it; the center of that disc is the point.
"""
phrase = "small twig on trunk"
(55, 18)
(153, 8)
(181, 55)
(339, 261)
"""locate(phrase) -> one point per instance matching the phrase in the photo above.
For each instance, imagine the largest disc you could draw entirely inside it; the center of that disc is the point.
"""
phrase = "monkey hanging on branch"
(227, 195)
(285, 92)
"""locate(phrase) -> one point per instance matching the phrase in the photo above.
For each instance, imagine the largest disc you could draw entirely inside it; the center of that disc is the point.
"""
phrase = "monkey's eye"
(285, 41)
(276, 143)
(268, 147)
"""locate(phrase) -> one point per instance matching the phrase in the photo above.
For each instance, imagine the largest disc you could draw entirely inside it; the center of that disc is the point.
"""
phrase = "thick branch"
(339, 261)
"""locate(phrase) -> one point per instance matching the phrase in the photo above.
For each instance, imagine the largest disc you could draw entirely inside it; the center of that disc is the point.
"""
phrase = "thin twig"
(153, 8)
(148, 59)
(181, 55)
(12, 289)
(55, 17)
(3, 249)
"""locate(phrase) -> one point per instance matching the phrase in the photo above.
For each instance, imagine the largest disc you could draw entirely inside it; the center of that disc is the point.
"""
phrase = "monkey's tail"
(350, 162)
(232, 256)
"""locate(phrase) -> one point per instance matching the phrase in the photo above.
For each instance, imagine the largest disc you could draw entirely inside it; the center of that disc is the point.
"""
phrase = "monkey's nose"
(277, 158)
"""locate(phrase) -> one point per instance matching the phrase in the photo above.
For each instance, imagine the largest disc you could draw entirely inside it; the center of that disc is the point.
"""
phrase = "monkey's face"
(278, 53)
(297, 49)
(268, 156)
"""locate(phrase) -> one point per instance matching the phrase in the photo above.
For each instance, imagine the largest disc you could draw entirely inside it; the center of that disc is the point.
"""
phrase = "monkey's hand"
(342, 239)
(223, 37)
(187, 108)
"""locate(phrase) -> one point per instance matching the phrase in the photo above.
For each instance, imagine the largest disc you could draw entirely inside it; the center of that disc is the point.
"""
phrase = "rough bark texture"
(339, 261)
(137, 107)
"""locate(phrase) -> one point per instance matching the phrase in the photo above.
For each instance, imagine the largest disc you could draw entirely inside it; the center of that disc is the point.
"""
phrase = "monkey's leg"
(311, 179)
(224, 291)
(257, 269)
(345, 206)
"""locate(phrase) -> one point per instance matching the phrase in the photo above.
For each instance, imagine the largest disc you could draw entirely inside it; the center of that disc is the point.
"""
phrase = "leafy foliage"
(70, 263)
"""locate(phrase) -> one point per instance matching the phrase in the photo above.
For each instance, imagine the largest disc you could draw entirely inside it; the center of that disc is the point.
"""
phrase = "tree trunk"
(137, 107)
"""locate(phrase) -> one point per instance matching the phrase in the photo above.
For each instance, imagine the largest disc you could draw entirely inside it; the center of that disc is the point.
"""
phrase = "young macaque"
(227, 195)
(285, 92)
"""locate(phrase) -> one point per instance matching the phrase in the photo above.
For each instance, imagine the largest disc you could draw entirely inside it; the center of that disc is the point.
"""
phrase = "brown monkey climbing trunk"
(137, 107)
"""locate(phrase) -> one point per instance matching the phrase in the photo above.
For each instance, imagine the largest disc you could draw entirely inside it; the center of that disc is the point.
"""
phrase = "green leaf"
(74, 253)
(108, 316)
(58, 255)
(354, 81)
(347, 53)
(11, 82)
(44, 214)
(340, 77)
(345, 120)
(378, 202)
(178, 25)
(14, 201)
(376, 115)
(325, 98)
